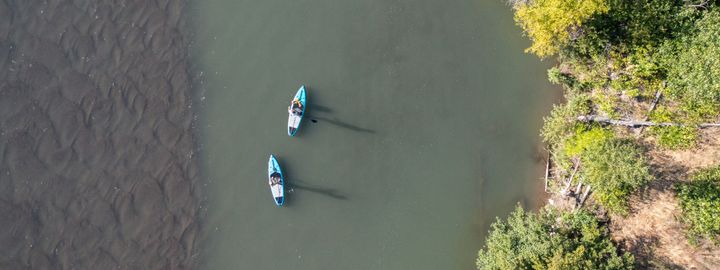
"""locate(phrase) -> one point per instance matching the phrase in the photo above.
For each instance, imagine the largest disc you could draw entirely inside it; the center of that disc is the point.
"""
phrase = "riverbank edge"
(651, 229)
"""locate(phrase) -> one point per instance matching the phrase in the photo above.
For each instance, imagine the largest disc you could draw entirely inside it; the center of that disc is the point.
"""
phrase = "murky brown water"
(96, 149)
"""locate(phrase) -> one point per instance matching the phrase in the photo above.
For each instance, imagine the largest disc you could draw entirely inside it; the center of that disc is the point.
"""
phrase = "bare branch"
(702, 4)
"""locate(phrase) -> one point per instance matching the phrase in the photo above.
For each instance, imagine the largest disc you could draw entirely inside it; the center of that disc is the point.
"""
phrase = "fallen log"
(584, 196)
(578, 189)
(547, 170)
(577, 164)
(566, 191)
(636, 123)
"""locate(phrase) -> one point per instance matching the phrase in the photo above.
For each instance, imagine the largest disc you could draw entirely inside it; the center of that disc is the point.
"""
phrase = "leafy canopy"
(613, 167)
(549, 240)
(549, 22)
(694, 73)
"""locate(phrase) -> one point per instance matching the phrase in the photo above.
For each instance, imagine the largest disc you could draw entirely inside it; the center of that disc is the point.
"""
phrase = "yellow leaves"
(585, 139)
(549, 22)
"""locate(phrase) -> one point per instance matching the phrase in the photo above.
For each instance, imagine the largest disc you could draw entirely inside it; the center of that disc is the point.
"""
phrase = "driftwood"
(576, 193)
(579, 187)
(577, 164)
(565, 191)
(658, 94)
(635, 123)
(571, 197)
(584, 196)
(547, 170)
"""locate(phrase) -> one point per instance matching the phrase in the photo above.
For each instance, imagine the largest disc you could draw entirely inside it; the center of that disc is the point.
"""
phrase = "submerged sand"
(96, 147)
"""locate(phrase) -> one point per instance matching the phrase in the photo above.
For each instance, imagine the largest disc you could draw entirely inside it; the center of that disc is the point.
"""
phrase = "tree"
(614, 168)
(549, 240)
(549, 22)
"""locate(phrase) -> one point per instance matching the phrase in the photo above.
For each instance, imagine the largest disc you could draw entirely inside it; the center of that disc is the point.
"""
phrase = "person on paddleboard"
(296, 108)
(275, 179)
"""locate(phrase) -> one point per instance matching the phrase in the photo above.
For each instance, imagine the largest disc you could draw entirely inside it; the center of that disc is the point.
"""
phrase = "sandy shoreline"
(96, 147)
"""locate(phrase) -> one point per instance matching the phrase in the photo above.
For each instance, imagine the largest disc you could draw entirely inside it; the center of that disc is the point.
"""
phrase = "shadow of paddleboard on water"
(329, 192)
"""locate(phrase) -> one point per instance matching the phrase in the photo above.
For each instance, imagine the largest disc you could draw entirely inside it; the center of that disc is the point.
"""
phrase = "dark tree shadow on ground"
(645, 257)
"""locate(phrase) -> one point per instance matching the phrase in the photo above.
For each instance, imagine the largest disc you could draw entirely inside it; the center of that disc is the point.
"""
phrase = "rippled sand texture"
(96, 150)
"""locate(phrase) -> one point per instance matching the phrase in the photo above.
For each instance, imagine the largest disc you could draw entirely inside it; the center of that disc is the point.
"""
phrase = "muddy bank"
(96, 147)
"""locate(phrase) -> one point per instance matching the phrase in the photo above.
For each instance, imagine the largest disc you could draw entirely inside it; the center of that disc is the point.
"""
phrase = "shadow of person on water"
(338, 123)
(332, 193)
(313, 109)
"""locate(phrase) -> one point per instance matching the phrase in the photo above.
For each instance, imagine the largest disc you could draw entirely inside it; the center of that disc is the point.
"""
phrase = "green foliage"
(633, 93)
(711, 174)
(700, 204)
(675, 137)
(549, 240)
(560, 124)
(587, 139)
(614, 168)
(694, 67)
(629, 47)
(558, 77)
(629, 26)
(672, 137)
(621, 49)
(549, 22)
(607, 103)
(643, 23)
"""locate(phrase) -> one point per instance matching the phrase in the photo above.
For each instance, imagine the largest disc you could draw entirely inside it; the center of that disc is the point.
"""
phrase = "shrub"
(607, 103)
(694, 67)
(614, 168)
(586, 139)
(549, 240)
(700, 204)
(560, 124)
(673, 137)
(558, 77)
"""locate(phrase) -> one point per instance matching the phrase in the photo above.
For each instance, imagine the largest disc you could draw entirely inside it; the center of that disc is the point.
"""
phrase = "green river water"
(427, 119)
